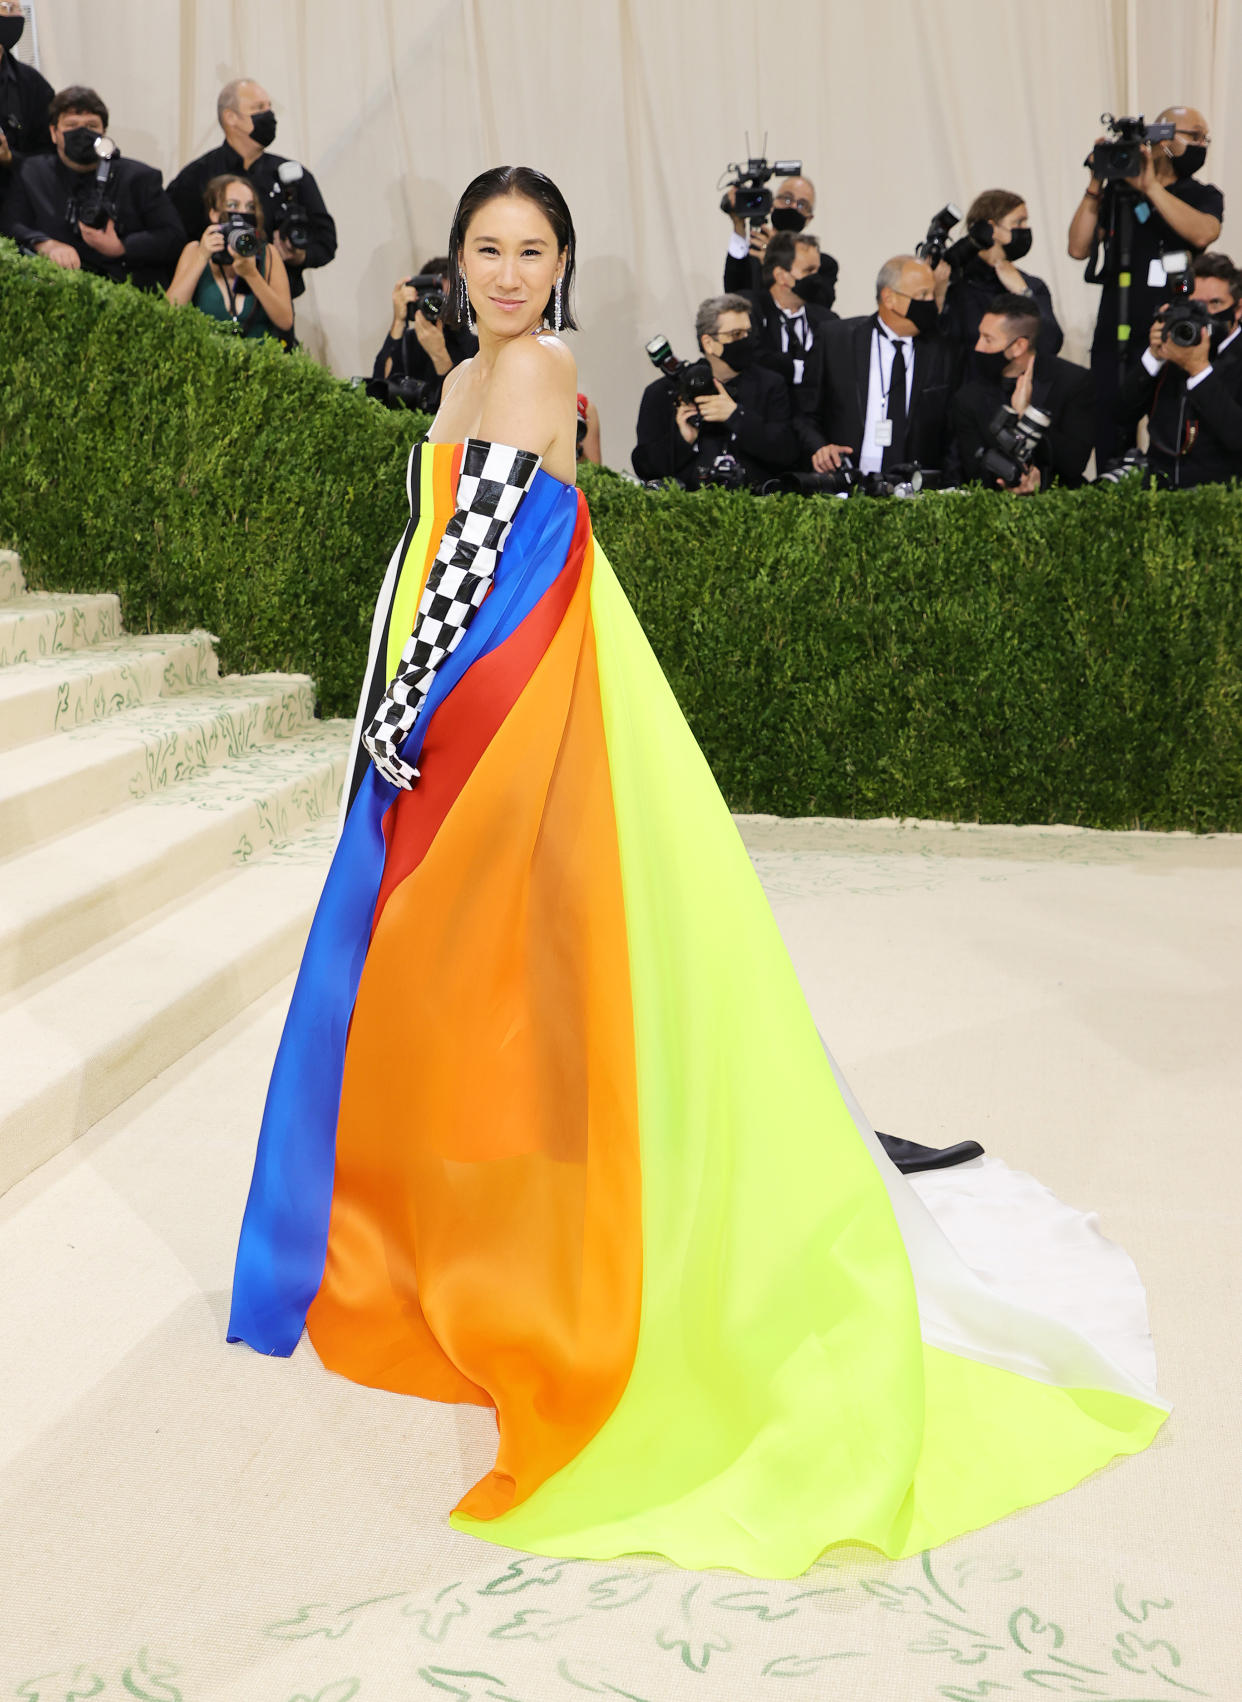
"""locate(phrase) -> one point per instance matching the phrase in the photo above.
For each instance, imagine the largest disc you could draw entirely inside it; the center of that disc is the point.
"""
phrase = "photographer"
(1007, 372)
(97, 212)
(420, 350)
(293, 208)
(1189, 382)
(232, 273)
(25, 97)
(879, 386)
(1165, 209)
(793, 208)
(785, 323)
(994, 271)
(740, 433)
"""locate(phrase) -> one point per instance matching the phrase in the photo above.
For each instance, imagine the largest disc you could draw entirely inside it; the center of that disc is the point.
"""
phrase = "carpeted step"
(72, 687)
(69, 894)
(38, 624)
(81, 1041)
(59, 783)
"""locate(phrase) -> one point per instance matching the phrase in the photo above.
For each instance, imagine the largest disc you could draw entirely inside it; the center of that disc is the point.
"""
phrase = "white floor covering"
(181, 1520)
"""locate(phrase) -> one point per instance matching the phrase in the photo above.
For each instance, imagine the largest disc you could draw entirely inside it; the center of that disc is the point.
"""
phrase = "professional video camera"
(1183, 320)
(1015, 438)
(241, 239)
(95, 203)
(1114, 161)
(752, 199)
(692, 379)
(430, 299)
(290, 215)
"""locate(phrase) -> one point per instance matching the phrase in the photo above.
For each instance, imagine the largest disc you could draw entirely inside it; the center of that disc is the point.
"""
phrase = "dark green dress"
(250, 319)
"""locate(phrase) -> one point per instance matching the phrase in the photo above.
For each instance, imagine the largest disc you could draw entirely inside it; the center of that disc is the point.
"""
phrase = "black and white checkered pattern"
(493, 480)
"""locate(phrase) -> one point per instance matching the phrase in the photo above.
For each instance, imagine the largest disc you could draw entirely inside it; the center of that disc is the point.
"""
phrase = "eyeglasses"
(1200, 136)
(786, 200)
(11, 9)
(731, 336)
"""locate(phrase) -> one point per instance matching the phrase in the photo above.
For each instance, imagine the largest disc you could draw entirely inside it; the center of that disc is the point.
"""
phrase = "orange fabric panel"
(486, 1234)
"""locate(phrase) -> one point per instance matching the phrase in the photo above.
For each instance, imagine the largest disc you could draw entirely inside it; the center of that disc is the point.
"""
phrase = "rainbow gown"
(551, 1130)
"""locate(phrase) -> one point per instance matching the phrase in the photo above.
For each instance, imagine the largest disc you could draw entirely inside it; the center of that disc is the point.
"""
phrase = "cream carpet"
(182, 1520)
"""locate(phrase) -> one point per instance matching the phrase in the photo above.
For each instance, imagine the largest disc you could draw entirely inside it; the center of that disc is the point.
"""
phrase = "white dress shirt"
(883, 345)
(1153, 366)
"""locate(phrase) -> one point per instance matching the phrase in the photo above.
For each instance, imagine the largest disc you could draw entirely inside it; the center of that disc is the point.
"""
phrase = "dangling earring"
(463, 299)
(558, 318)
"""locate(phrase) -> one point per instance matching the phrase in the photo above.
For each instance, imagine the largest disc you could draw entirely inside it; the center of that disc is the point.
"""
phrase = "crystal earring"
(558, 317)
(463, 297)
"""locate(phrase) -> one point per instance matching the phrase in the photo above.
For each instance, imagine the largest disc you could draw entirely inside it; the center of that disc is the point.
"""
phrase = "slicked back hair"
(534, 186)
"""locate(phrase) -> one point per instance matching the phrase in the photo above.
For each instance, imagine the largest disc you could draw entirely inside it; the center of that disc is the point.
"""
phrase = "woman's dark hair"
(536, 187)
(993, 204)
(216, 191)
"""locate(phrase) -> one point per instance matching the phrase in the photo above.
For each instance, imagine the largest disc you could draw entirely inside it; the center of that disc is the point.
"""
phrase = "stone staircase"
(163, 837)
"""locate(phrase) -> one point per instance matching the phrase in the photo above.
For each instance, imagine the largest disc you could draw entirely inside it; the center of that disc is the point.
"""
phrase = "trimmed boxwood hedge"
(1075, 657)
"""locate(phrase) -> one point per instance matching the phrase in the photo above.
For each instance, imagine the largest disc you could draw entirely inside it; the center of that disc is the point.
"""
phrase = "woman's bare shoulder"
(542, 358)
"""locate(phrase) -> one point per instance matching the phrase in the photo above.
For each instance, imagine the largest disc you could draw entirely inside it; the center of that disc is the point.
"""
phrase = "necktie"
(895, 449)
(797, 347)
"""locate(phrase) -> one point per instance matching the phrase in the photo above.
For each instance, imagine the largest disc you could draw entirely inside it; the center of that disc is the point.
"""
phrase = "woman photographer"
(247, 291)
(994, 271)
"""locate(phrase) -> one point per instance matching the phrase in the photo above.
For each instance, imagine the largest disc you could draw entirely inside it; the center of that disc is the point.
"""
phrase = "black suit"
(743, 273)
(765, 321)
(25, 96)
(1205, 423)
(831, 406)
(37, 206)
(759, 433)
(187, 189)
(410, 361)
(972, 293)
(1062, 390)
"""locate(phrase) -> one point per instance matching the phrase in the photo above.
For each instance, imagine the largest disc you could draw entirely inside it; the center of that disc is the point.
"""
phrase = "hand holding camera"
(103, 240)
(719, 407)
(688, 420)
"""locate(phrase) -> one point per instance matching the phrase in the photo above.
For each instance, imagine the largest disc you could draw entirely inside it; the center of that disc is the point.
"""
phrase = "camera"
(725, 471)
(1183, 319)
(95, 204)
(839, 481)
(1113, 161)
(907, 478)
(691, 379)
(978, 237)
(752, 199)
(1131, 465)
(421, 394)
(933, 246)
(430, 302)
(241, 240)
(1015, 438)
(290, 219)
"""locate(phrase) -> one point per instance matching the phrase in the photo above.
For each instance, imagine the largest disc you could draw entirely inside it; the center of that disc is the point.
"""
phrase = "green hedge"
(1071, 658)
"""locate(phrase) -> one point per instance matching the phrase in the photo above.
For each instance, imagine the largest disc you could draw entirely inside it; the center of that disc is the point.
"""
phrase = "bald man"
(1171, 212)
(793, 208)
(245, 114)
(878, 387)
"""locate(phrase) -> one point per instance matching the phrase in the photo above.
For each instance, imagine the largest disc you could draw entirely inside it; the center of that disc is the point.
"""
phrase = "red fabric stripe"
(467, 721)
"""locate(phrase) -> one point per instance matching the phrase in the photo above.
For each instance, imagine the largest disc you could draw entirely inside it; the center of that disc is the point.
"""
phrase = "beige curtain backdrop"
(634, 107)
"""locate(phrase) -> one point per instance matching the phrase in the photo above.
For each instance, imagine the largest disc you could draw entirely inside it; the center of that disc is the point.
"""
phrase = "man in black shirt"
(244, 109)
(125, 228)
(25, 97)
(1192, 396)
(1006, 371)
(747, 420)
(1171, 212)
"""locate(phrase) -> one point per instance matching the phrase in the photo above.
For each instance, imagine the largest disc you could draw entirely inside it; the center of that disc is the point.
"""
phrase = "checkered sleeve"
(492, 482)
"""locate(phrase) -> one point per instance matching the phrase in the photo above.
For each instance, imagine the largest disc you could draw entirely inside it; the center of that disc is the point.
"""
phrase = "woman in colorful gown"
(551, 1129)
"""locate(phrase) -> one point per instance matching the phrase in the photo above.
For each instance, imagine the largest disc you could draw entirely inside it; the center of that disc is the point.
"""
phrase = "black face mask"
(1224, 319)
(263, 127)
(1188, 162)
(990, 367)
(815, 288)
(923, 315)
(79, 145)
(740, 353)
(787, 218)
(1019, 244)
(11, 32)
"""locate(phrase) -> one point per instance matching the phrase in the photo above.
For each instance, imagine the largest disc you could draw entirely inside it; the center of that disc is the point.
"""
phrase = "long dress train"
(551, 1130)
